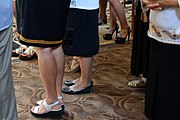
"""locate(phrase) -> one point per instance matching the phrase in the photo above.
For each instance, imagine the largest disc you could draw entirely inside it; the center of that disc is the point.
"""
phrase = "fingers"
(151, 5)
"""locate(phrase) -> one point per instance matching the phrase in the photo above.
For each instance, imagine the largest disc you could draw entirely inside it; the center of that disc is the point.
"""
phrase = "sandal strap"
(36, 109)
(29, 51)
(21, 49)
(59, 98)
(40, 101)
(49, 106)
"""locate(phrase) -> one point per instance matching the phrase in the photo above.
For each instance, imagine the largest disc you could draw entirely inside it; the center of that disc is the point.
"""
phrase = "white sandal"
(18, 51)
(50, 113)
(60, 98)
(28, 54)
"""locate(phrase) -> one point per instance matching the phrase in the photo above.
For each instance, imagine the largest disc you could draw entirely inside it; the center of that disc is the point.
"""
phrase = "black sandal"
(121, 40)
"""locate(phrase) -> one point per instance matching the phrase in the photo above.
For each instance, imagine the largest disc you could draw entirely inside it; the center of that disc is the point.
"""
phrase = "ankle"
(61, 99)
(50, 101)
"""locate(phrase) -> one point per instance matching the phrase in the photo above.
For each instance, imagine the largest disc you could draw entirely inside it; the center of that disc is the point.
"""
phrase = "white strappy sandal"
(60, 99)
(28, 54)
(18, 51)
(50, 113)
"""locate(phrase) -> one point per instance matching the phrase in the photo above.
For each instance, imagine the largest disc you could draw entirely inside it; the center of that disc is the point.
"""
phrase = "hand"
(160, 4)
(154, 5)
(168, 3)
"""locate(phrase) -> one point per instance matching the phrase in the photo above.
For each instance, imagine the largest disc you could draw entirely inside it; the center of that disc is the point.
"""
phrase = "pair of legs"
(116, 9)
(86, 64)
(51, 67)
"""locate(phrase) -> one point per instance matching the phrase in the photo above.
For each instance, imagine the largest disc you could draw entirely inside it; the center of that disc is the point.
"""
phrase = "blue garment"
(6, 14)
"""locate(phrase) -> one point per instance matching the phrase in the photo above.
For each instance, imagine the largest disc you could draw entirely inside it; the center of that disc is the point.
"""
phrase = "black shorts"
(81, 38)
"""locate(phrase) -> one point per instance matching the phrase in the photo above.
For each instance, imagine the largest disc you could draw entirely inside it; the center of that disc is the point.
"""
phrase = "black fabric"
(42, 20)
(162, 96)
(140, 45)
(81, 37)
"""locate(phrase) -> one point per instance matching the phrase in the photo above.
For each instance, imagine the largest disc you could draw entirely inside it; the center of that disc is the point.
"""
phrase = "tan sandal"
(137, 84)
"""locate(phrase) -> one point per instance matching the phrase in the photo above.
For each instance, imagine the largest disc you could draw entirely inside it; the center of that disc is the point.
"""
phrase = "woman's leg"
(102, 11)
(48, 72)
(86, 64)
(113, 19)
(59, 58)
(119, 10)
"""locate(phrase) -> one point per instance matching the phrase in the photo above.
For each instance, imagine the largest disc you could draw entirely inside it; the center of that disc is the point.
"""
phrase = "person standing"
(140, 48)
(162, 96)
(83, 25)
(41, 24)
(8, 109)
(116, 9)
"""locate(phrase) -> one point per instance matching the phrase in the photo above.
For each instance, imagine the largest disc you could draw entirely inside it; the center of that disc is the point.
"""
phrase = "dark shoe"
(104, 21)
(70, 83)
(67, 90)
(128, 2)
(121, 40)
(108, 36)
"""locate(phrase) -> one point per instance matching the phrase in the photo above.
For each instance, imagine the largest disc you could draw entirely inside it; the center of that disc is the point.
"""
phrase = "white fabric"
(85, 4)
(167, 24)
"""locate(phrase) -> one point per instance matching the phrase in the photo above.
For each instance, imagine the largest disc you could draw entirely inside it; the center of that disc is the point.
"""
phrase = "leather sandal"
(137, 84)
(18, 51)
(50, 113)
(60, 98)
(28, 54)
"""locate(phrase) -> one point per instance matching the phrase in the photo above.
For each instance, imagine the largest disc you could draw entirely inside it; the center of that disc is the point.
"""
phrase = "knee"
(43, 51)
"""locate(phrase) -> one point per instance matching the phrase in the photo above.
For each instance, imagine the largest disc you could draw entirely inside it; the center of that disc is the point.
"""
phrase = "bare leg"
(86, 64)
(102, 9)
(59, 58)
(48, 72)
(113, 20)
(119, 10)
(75, 62)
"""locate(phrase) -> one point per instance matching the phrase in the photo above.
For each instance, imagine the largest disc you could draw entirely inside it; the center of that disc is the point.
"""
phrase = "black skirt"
(140, 46)
(81, 38)
(162, 90)
(41, 23)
